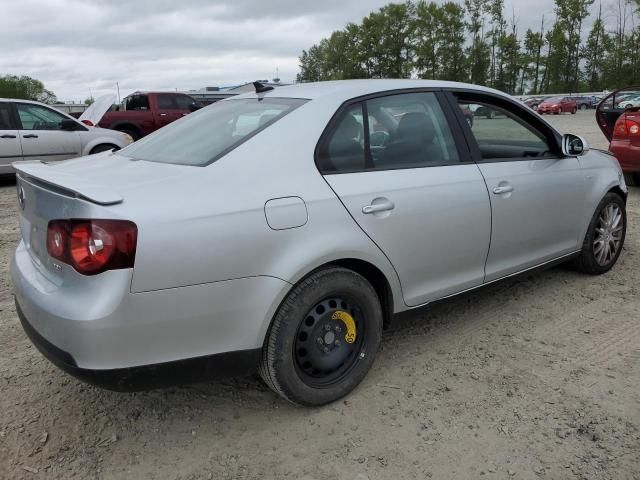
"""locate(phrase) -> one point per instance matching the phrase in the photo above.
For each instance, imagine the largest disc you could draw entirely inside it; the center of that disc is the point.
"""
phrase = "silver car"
(281, 230)
(33, 130)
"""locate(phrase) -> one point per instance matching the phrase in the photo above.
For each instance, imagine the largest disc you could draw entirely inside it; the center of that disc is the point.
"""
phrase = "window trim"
(552, 137)
(464, 155)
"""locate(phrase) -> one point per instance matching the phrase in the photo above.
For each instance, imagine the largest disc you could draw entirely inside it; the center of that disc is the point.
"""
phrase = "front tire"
(324, 338)
(605, 236)
(105, 147)
(575, 109)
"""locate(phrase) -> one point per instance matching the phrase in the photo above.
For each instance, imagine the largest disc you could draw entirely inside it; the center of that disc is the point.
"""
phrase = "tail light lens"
(88, 123)
(93, 246)
(625, 127)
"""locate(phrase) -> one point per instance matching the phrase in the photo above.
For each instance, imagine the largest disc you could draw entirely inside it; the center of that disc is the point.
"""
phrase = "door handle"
(163, 114)
(502, 189)
(378, 207)
(6, 135)
(31, 135)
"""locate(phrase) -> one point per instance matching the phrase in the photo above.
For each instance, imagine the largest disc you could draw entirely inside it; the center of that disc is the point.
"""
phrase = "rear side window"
(401, 131)
(137, 102)
(6, 118)
(210, 133)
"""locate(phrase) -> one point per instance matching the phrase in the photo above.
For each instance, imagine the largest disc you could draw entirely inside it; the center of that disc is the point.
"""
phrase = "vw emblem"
(21, 196)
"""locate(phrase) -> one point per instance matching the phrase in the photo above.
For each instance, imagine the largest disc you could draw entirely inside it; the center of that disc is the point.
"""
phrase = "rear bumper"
(99, 325)
(149, 376)
(628, 155)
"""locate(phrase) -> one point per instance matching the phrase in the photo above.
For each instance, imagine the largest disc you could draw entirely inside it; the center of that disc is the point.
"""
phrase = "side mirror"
(194, 106)
(573, 145)
(68, 125)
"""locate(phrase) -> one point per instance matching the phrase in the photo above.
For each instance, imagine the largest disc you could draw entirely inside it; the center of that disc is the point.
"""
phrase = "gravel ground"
(532, 378)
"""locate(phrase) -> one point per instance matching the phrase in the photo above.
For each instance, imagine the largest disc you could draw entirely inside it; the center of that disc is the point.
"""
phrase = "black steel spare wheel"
(324, 337)
(328, 344)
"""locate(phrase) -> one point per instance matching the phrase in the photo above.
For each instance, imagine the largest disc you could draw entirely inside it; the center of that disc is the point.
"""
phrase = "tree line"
(477, 42)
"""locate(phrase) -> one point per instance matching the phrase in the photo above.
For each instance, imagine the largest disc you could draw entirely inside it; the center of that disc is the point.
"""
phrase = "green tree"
(478, 54)
(594, 51)
(26, 88)
(426, 39)
(451, 43)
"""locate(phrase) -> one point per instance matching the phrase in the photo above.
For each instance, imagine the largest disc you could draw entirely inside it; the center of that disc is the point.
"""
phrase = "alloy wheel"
(608, 234)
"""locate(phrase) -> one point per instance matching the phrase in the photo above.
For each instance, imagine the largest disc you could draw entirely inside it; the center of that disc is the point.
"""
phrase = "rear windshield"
(208, 134)
(554, 100)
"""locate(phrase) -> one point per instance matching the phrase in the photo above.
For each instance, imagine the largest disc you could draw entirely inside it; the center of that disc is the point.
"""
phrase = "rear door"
(10, 149)
(396, 165)
(41, 135)
(536, 193)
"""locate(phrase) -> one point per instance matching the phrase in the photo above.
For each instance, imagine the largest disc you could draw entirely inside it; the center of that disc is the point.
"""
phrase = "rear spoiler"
(39, 172)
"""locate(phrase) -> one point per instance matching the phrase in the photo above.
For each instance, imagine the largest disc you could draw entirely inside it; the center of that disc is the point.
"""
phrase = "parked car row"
(581, 103)
(280, 230)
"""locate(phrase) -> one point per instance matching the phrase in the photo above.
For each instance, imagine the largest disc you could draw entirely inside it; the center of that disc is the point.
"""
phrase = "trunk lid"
(96, 186)
(609, 110)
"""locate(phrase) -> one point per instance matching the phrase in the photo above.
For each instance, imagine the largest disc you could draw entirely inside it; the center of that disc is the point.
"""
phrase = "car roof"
(343, 90)
(24, 101)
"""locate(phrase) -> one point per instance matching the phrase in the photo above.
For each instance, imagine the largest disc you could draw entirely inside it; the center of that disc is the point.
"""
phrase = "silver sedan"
(281, 230)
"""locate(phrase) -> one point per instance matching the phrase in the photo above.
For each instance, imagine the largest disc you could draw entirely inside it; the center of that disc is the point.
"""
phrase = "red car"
(621, 126)
(557, 105)
(145, 112)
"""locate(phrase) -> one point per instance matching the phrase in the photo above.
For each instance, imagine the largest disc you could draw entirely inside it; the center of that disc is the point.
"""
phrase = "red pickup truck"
(144, 112)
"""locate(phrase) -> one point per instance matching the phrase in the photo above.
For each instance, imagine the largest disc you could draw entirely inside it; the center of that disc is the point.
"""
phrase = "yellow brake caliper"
(349, 323)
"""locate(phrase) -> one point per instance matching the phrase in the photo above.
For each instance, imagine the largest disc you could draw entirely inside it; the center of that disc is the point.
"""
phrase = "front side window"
(401, 131)
(183, 102)
(202, 137)
(36, 117)
(166, 102)
(502, 134)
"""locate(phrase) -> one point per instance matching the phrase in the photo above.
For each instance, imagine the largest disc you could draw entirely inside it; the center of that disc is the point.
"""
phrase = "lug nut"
(326, 349)
(320, 341)
(337, 343)
(327, 327)
(338, 329)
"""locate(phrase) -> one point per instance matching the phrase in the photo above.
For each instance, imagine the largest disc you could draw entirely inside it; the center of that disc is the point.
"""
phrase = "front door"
(406, 184)
(536, 193)
(41, 135)
(10, 150)
(169, 109)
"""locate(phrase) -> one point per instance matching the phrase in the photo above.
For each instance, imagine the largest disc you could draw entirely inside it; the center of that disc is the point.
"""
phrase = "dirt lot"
(533, 378)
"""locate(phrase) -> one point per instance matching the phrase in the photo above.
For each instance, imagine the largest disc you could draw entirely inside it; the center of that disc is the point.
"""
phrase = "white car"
(34, 131)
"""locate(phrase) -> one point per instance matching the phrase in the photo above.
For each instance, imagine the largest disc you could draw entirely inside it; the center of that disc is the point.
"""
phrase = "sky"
(80, 48)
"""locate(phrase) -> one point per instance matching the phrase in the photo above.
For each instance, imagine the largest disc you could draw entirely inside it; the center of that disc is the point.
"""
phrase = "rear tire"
(575, 109)
(605, 236)
(305, 358)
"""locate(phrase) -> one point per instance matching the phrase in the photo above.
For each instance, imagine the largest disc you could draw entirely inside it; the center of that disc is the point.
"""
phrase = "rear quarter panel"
(209, 225)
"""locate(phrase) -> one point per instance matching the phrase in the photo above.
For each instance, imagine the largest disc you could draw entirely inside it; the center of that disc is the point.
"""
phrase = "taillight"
(93, 246)
(89, 123)
(626, 127)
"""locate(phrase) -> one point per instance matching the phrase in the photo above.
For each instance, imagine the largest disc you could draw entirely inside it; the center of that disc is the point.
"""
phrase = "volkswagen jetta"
(281, 230)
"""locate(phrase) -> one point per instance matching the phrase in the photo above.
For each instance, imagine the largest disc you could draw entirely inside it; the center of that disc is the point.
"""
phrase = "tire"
(306, 336)
(590, 261)
(102, 148)
(575, 109)
(583, 107)
(133, 133)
